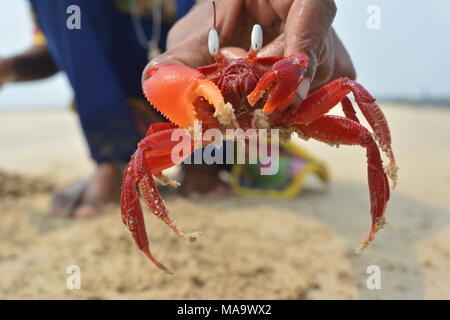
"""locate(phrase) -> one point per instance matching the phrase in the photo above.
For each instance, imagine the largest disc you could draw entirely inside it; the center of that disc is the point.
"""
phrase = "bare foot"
(203, 179)
(84, 199)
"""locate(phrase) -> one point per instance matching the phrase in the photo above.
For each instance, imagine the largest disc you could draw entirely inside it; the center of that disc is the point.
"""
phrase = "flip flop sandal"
(66, 201)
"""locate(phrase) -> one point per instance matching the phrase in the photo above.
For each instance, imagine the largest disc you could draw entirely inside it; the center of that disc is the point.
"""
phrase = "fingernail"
(303, 88)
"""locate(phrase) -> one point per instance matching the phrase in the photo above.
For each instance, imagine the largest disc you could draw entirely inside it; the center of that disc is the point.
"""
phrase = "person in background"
(104, 60)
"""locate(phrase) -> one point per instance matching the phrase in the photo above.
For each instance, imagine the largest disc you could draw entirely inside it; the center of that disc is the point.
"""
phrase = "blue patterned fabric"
(103, 61)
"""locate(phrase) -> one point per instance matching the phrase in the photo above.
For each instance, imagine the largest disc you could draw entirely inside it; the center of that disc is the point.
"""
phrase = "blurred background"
(405, 64)
(406, 59)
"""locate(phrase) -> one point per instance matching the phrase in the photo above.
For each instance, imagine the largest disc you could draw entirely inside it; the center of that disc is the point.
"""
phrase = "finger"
(232, 53)
(343, 66)
(336, 64)
(275, 48)
(307, 26)
(325, 64)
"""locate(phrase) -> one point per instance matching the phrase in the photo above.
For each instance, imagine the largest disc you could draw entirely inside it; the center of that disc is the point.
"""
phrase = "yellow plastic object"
(294, 187)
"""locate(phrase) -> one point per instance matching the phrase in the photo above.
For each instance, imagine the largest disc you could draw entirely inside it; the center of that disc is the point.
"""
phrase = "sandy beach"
(250, 248)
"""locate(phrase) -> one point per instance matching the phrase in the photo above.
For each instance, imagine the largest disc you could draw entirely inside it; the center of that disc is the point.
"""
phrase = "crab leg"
(153, 156)
(325, 98)
(338, 130)
(133, 218)
(348, 109)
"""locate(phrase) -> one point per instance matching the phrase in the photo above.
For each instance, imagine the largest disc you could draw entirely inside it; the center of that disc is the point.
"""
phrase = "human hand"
(6, 71)
(289, 26)
(35, 63)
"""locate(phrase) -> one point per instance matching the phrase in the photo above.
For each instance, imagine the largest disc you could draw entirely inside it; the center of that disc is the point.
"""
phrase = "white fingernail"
(303, 88)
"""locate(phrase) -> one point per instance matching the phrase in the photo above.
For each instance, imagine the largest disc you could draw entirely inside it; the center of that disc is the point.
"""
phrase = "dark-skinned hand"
(289, 26)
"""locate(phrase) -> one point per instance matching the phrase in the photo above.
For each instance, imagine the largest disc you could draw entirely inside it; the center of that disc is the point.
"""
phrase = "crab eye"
(257, 37)
(213, 42)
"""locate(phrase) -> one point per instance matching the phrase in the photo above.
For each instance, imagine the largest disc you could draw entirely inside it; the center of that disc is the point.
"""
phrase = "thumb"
(307, 26)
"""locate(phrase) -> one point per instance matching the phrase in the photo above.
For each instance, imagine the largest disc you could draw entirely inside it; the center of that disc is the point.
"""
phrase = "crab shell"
(232, 89)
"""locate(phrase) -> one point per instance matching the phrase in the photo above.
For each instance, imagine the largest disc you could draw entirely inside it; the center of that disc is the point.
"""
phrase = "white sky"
(409, 56)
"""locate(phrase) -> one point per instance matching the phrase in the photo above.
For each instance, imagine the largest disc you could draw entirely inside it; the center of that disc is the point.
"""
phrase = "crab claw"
(173, 88)
(280, 83)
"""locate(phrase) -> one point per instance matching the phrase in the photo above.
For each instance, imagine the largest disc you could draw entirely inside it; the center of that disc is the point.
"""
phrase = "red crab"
(252, 92)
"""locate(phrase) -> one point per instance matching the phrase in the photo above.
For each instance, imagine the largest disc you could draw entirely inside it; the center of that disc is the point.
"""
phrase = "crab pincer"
(173, 90)
(279, 84)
